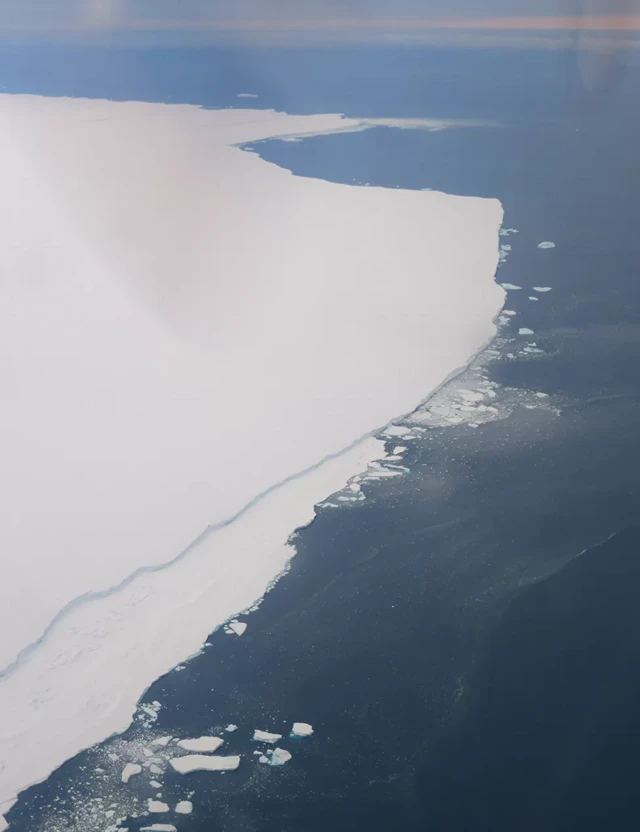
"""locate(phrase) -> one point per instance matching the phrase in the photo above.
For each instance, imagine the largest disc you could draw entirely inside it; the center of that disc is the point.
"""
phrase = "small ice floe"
(301, 729)
(525, 331)
(510, 287)
(546, 244)
(279, 757)
(246, 95)
(542, 395)
(159, 827)
(541, 288)
(156, 807)
(471, 395)
(236, 627)
(265, 736)
(201, 744)
(155, 769)
(201, 762)
(154, 784)
(162, 742)
(263, 759)
(509, 312)
(184, 807)
(532, 297)
(231, 727)
(399, 449)
(396, 430)
(129, 771)
(504, 232)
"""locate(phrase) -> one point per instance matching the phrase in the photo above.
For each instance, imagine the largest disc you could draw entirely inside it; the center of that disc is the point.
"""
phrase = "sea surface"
(464, 641)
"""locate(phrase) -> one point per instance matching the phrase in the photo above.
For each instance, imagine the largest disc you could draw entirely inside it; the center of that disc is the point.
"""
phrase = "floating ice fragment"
(541, 288)
(532, 297)
(396, 430)
(542, 395)
(201, 744)
(184, 807)
(301, 729)
(246, 95)
(156, 807)
(155, 784)
(162, 741)
(546, 244)
(279, 757)
(154, 769)
(200, 762)
(399, 449)
(510, 287)
(231, 727)
(265, 736)
(525, 331)
(158, 827)
(263, 759)
(129, 770)
(237, 627)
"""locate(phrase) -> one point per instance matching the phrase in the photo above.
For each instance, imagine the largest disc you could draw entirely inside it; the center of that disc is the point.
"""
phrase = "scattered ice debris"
(237, 627)
(156, 807)
(525, 331)
(504, 232)
(231, 727)
(155, 784)
(148, 714)
(162, 742)
(265, 736)
(279, 757)
(201, 744)
(546, 244)
(200, 762)
(510, 287)
(541, 288)
(301, 729)
(158, 827)
(184, 807)
(129, 771)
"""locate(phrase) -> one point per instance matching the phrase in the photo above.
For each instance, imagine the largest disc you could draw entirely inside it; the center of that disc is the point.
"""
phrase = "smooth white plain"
(184, 326)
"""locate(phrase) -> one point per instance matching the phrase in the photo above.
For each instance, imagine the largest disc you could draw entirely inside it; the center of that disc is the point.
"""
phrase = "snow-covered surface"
(184, 807)
(169, 382)
(129, 771)
(201, 744)
(202, 762)
(302, 729)
(265, 736)
(279, 757)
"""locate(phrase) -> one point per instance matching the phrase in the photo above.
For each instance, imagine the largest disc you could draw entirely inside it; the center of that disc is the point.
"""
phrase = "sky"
(329, 19)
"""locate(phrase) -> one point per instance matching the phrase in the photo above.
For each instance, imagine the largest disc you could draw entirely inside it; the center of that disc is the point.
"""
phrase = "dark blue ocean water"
(463, 668)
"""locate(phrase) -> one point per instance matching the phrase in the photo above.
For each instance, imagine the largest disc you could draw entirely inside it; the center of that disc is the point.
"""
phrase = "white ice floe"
(399, 449)
(546, 244)
(237, 627)
(396, 430)
(263, 759)
(302, 729)
(510, 287)
(129, 771)
(201, 744)
(524, 330)
(541, 288)
(161, 742)
(158, 827)
(265, 736)
(279, 757)
(246, 95)
(156, 807)
(124, 230)
(184, 807)
(532, 297)
(202, 762)
(154, 784)
(231, 727)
